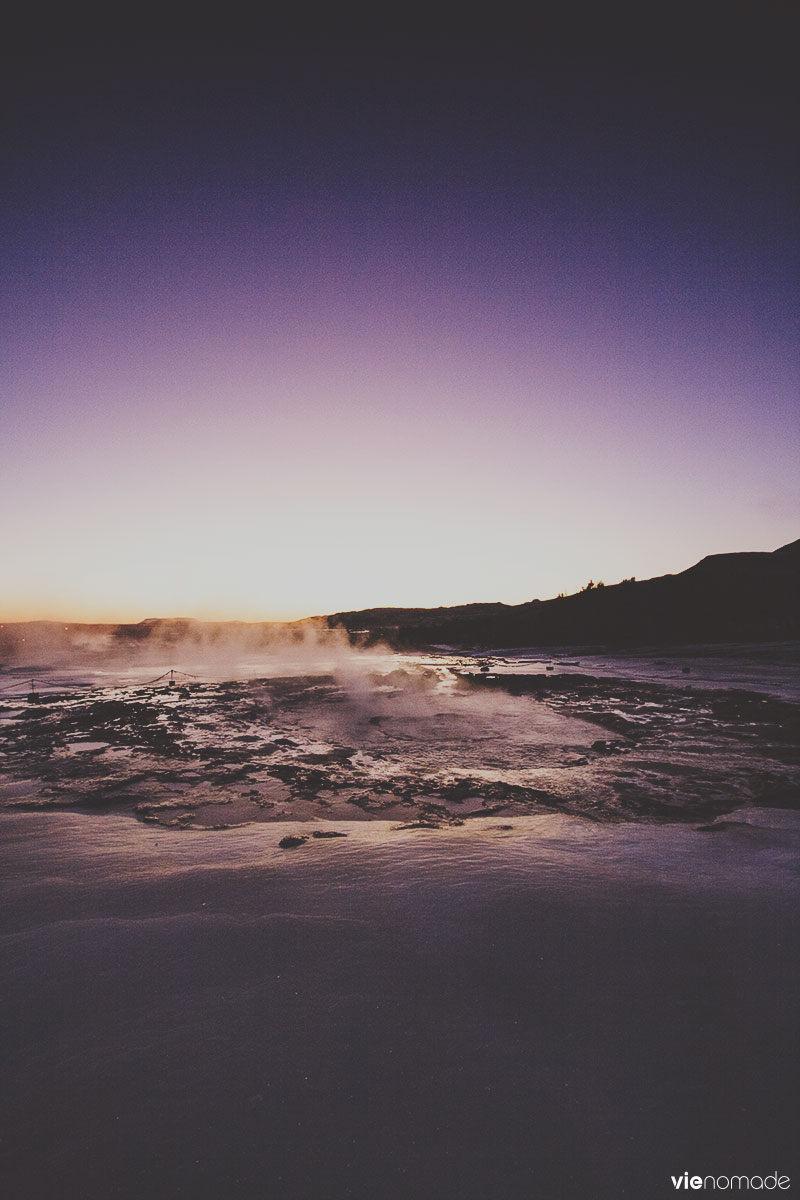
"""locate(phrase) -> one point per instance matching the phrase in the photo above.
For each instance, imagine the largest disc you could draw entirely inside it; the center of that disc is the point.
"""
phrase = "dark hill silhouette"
(743, 597)
(749, 597)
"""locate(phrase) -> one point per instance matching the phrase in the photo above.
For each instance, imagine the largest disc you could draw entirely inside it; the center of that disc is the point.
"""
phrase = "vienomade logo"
(724, 1183)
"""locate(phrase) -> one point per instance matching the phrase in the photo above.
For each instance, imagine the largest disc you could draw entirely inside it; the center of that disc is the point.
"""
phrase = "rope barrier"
(166, 675)
(28, 685)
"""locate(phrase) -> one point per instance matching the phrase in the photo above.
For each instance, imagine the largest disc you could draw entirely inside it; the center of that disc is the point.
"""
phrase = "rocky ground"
(420, 746)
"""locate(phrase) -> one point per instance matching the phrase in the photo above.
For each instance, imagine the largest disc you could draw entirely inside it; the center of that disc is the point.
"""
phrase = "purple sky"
(393, 316)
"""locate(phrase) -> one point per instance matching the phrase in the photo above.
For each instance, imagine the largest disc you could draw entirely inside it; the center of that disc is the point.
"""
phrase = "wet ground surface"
(420, 744)
(567, 1009)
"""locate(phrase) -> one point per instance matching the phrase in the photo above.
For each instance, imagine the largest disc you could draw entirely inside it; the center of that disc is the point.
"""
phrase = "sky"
(393, 312)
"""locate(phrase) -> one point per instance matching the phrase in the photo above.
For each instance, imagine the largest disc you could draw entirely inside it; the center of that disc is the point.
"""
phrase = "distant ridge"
(742, 597)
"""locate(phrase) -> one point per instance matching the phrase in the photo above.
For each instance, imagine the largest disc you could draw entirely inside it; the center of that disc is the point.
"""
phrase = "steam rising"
(227, 650)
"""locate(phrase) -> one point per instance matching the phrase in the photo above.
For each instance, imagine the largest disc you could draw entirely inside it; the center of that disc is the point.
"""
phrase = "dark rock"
(341, 756)
(613, 721)
(292, 841)
(420, 825)
(327, 833)
(424, 823)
